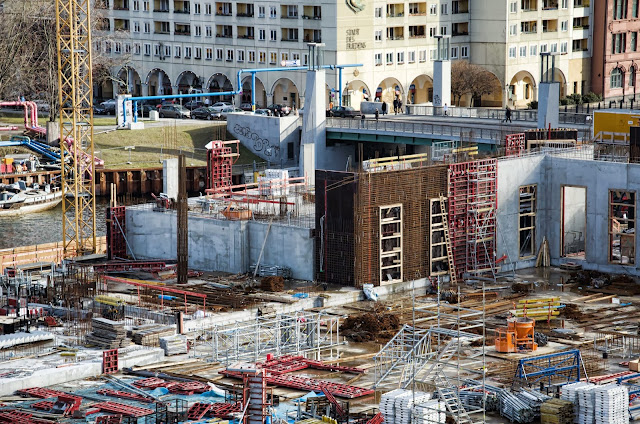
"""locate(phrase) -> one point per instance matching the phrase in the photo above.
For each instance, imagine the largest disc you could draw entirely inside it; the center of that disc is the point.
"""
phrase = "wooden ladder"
(445, 226)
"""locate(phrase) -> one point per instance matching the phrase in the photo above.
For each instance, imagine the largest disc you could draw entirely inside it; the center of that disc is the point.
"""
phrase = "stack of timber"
(556, 411)
(107, 334)
(174, 345)
(149, 334)
(544, 258)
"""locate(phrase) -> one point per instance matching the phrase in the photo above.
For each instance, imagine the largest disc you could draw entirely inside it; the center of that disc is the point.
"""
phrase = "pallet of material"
(107, 334)
(556, 411)
(174, 345)
(149, 334)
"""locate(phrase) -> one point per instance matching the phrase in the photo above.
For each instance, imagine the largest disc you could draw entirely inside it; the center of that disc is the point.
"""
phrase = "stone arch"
(286, 92)
(129, 81)
(261, 93)
(219, 83)
(102, 82)
(158, 83)
(558, 76)
(522, 89)
(390, 89)
(188, 81)
(420, 90)
(493, 99)
(356, 92)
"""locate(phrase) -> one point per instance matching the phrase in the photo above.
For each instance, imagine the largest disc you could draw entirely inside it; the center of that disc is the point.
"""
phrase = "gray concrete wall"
(221, 245)
(552, 174)
(266, 136)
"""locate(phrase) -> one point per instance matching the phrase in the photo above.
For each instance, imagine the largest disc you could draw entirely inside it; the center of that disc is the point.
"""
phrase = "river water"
(42, 227)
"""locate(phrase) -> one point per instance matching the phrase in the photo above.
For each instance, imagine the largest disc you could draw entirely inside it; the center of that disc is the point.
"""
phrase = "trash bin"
(154, 115)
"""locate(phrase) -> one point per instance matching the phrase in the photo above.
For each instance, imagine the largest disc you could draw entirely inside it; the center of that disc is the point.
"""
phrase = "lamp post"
(129, 148)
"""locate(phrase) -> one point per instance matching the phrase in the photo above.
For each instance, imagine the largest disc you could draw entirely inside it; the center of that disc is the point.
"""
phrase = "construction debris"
(370, 326)
(272, 283)
(174, 345)
(149, 334)
(107, 334)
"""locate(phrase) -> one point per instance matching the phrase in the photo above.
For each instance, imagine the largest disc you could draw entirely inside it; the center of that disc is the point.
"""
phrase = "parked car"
(144, 109)
(174, 111)
(99, 110)
(166, 103)
(42, 105)
(265, 112)
(345, 112)
(109, 106)
(194, 104)
(217, 107)
(227, 110)
(203, 113)
(246, 106)
(278, 109)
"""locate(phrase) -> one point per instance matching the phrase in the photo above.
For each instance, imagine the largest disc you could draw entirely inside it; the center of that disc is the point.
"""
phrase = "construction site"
(450, 282)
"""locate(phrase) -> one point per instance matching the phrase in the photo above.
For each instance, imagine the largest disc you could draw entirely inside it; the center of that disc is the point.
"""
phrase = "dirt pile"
(572, 311)
(272, 284)
(370, 326)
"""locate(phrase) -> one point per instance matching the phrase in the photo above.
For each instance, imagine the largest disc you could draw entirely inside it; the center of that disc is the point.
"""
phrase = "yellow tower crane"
(75, 94)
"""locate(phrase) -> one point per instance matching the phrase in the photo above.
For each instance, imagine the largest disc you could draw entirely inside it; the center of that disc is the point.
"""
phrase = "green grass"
(151, 147)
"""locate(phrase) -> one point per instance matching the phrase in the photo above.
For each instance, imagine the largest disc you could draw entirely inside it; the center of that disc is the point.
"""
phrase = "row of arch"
(522, 88)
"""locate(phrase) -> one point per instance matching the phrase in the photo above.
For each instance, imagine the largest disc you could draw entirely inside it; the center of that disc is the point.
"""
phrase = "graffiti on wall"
(258, 144)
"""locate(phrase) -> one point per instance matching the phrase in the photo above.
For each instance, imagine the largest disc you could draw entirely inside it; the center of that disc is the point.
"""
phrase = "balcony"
(530, 27)
(245, 10)
(312, 36)
(550, 25)
(161, 6)
(418, 9)
(581, 23)
(312, 12)
(550, 4)
(101, 4)
(289, 11)
(395, 33)
(581, 3)
(459, 29)
(417, 31)
(161, 28)
(224, 36)
(247, 33)
(121, 24)
(459, 6)
(182, 29)
(224, 9)
(528, 5)
(121, 5)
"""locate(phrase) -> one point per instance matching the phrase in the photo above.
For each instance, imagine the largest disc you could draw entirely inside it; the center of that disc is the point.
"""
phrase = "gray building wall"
(552, 174)
(220, 245)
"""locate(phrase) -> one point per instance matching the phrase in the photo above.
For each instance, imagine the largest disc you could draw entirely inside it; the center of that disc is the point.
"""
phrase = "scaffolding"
(297, 333)
(220, 160)
(472, 221)
(439, 358)
(515, 144)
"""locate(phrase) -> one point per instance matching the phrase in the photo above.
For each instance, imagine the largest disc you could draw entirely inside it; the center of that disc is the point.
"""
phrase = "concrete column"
(441, 83)
(160, 83)
(131, 82)
(144, 89)
(116, 88)
(170, 177)
(548, 104)
(53, 133)
(314, 135)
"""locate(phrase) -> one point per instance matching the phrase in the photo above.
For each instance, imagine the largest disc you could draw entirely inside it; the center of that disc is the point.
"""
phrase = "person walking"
(395, 106)
(377, 114)
(362, 121)
(384, 108)
(507, 115)
(445, 108)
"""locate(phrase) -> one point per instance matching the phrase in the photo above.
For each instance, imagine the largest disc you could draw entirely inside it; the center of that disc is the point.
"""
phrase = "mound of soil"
(272, 284)
(370, 326)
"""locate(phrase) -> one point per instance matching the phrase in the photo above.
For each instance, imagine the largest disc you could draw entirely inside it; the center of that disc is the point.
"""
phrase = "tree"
(472, 80)
(29, 51)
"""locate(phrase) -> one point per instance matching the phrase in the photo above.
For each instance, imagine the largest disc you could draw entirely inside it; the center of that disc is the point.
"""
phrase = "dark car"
(174, 111)
(278, 109)
(193, 104)
(246, 107)
(99, 110)
(345, 112)
(265, 112)
(203, 113)
(143, 110)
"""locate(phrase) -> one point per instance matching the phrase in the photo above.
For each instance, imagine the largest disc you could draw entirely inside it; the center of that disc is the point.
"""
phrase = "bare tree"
(472, 80)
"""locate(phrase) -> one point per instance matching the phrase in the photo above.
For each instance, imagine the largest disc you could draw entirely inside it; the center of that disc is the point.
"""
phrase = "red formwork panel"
(224, 410)
(40, 392)
(198, 411)
(124, 395)
(515, 144)
(219, 166)
(472, 202)
(116, 243)
(122, 409)
(110, 361)
(109, 419)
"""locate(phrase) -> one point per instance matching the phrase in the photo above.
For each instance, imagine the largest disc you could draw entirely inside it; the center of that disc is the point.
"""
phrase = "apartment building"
(177, 46)
(615, 53)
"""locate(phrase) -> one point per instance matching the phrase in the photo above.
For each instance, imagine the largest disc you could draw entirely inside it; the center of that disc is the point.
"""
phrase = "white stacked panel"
(611, 404)
(586, 404)
(570, 392)
(404, 404)
(387, 404)
(431, 412)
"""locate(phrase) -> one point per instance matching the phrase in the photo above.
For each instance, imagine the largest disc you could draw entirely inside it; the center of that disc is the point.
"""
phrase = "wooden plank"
(601, 298)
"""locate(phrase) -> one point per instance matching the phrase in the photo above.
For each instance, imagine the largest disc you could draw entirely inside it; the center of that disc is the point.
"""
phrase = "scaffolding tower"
(220, 160)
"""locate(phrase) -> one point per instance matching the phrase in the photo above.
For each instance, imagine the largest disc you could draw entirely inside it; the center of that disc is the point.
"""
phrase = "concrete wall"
(221, 245)
(552, 174)
(266, 136)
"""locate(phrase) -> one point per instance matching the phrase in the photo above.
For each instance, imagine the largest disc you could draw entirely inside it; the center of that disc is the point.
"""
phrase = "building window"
(444, 9)
(157, 49)
(618, 43)
(378, 12)
(390, 244)
(543, 48)
(513, 29)
(273, 58)
(454, 52)
(167, 51)
(523, 51)
(272, 12)
(262, 57)
(136, 48)
(136, 5)
(411, 57)
(262, 34)
(622, 226)
(207, 8)
(512, 52)
(229, 57)
(389, 58)
(564, 4)
(219, 54)
(433, 31)
(284, 56)
(464, 51)
(177, 51)
(251, 56)
(147, 49)
(616, 78)
(634, 8)
(564, 26)
(273, 35)
(261, 11)
(619, 9)
(118, 47)
(292, 11)
(146, 6)
(187, 52)
(198, 53)
(208, 53)
(147, 27)
(563, 47)
(632, 76)
(400, 57)
(378, 35)
(533, 50)
(528, 204)
(240, 55)
(196, 9)
(634, 41)
(513, 7)
(554, 47)
(136, 27)
(433, 54)
(443, 30)
(433, 9)
(198, 30)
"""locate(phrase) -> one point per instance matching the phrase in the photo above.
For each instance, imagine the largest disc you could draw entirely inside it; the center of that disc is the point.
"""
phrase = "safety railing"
(526, 115)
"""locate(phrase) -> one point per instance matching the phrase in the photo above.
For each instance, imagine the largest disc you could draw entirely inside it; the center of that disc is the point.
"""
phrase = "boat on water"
(19, 199)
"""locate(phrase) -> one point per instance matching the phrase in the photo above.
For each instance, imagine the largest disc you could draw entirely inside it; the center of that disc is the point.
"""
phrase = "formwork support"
(514, 144)
(220, 160)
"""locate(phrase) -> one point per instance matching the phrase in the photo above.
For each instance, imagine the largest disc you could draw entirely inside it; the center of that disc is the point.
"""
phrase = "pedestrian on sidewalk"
(445, 108)
(507, 115)
(377, 114)
(362, 121)
(384, 108)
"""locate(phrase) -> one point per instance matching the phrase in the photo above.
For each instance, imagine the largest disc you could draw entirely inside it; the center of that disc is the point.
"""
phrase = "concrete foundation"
(170, 178)
(221, 245)
(548, 104)
(562, 183)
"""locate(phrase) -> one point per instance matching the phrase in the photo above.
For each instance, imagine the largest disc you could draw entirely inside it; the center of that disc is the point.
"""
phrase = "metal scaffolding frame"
(296, 333)
(439, 358)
